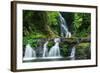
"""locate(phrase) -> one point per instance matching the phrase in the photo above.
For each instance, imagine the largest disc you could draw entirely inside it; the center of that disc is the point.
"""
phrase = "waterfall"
(72, 55)
(55, 50)
(45, 49)
(29, 52)
(64, 29)
(65, 33)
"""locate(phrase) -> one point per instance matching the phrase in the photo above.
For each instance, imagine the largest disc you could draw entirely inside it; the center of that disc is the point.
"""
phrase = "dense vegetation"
(45, 24)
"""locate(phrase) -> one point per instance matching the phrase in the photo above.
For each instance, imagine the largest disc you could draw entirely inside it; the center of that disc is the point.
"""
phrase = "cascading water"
(72, 55)
(45, 49)
(64, 28)
(55, 50)
(29, 52)
(65, 33)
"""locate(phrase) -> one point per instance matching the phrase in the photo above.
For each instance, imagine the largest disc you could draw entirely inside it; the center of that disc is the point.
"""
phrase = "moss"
(83, 51)
(64, 49)
(50, 44)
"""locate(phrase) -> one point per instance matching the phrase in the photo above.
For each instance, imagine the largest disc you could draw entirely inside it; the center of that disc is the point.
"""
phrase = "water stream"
(45, 49)
(64, 29)
(72, 55)
(29, 52)
(54, 51)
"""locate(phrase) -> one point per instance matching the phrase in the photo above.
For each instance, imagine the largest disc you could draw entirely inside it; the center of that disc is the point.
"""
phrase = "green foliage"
(45, 24)
(77, 20)
(64, 49)
(53, 20)
(50, 44)
(41, 24)
(83, 51)
(82, 24)
(29, 40)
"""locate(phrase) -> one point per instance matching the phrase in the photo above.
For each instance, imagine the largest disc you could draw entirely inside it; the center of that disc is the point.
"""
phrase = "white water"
(65, 33)
(72, 55)
(64, 28)
(45, 49)
(55, 50)
(29, 52)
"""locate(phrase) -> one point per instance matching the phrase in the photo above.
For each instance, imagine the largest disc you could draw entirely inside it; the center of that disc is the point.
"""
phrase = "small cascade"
(29, 52)
(55, 50)
(45, 49)
(72, 55)
(64, 29)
